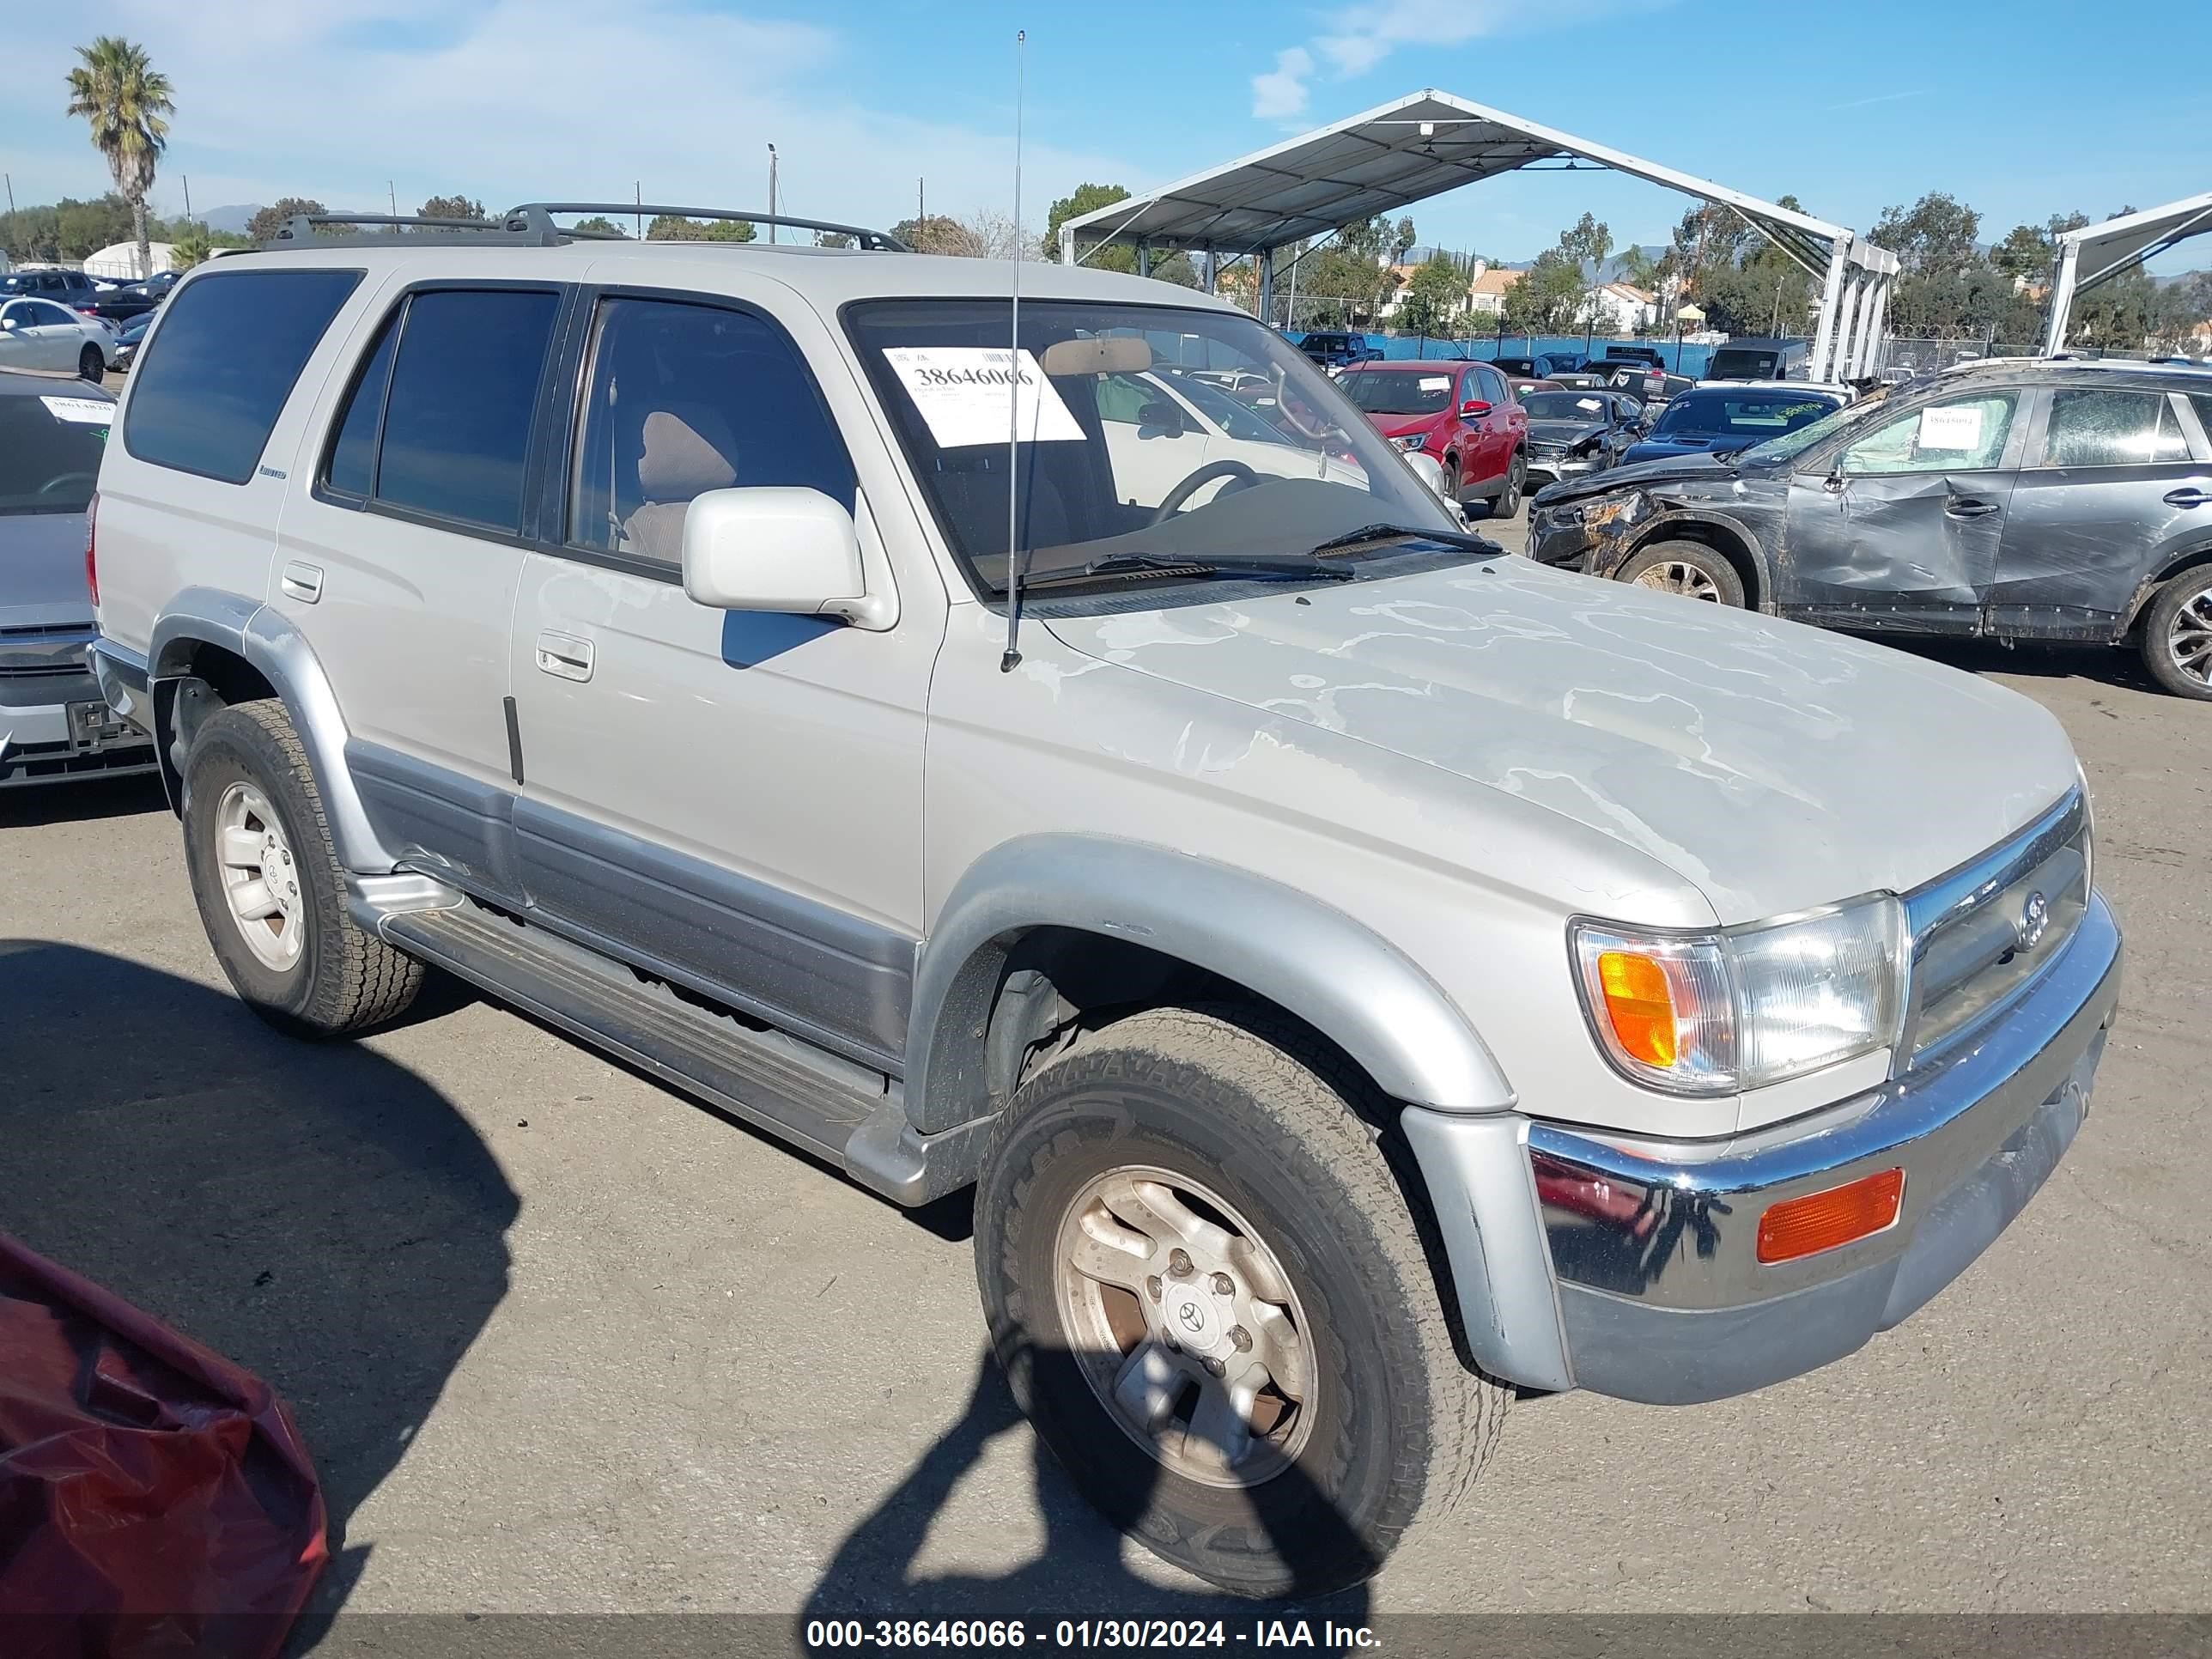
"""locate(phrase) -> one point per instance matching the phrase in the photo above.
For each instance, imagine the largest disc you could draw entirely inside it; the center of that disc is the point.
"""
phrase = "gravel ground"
(562, 1341)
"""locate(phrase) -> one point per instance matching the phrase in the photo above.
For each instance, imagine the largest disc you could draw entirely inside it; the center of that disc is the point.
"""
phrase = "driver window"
(1961, 434)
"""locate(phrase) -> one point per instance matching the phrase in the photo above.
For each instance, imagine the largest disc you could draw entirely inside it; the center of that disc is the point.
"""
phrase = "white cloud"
(1360, 38)
(1281, 93)
(509, 100)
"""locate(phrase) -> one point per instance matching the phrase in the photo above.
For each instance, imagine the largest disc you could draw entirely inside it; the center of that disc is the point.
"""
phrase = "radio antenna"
(1015, 557)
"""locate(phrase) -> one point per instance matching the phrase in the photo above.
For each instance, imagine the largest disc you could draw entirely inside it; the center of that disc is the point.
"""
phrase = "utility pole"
(10, 178)
(187, 178)
(921, 204)
(771, 193)
(637, 196)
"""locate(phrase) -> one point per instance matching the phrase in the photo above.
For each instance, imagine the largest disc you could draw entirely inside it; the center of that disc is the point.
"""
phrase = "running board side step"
(840, 1112)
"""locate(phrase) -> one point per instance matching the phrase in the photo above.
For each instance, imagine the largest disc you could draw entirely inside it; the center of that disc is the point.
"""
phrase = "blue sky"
(2021, 109)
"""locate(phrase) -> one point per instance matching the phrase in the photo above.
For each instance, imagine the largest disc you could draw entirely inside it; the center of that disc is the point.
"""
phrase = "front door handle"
(303, 582)
(2188, 495)
(564, 656)
(1966, 506)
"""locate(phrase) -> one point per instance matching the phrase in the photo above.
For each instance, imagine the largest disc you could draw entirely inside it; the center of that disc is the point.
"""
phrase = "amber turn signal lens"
(1821, 1221)
(1639, 1005)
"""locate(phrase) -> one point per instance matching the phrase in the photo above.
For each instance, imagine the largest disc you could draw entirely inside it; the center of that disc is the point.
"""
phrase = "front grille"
(1546, 452)
(1982, 933)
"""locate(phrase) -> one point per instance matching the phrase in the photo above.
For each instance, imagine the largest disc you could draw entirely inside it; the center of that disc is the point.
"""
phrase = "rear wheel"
(2177, 636)
(1690, 568)
(1208, 1293)
(271, 890)
(90, 365)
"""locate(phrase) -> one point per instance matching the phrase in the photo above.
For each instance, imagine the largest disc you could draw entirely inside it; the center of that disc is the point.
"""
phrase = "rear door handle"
(2187, 496)
(564, 656)
(303, 582)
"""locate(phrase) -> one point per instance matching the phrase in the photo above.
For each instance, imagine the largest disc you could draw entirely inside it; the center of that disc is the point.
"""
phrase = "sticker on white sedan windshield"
(1958, 427)
(89, 411)
(962, 393)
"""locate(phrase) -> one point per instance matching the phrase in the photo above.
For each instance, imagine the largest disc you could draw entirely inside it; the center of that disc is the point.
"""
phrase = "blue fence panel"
(1686, 359)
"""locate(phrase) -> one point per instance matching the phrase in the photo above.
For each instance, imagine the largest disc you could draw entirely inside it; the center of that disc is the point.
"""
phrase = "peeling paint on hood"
(1776, 766)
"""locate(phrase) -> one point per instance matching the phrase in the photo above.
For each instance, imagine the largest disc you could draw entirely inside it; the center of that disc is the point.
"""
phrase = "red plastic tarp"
(154, 1498)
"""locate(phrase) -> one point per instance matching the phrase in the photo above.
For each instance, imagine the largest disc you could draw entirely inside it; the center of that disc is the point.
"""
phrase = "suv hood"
(1774, 766)
(1564, 431)
(1697, 467)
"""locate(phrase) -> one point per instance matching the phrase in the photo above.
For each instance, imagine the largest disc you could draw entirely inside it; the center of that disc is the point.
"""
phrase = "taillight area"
(92, 548)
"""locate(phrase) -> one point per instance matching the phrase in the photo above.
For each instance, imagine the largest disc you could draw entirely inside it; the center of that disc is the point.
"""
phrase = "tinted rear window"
(50, 448)
(1744, 366)
(463, 390)
(208, 390)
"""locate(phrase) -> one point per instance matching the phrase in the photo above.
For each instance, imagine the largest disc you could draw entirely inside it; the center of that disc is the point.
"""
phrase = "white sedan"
(40, 334)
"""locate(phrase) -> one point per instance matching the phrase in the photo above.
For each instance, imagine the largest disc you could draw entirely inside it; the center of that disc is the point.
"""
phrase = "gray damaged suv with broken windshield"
(1361, 975)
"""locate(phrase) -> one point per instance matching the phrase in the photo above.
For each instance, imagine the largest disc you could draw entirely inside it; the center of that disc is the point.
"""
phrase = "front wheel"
(1508, 493)
(2177, 636)
(1209, 1295)
(1689, 568)
(90, 365)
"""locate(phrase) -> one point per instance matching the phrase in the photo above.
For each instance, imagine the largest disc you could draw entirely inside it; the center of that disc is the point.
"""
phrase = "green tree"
(1436, 294)
(452, 207)
(674, 228)
(267, 222)
(940, 234)
(189, 248)
(1587, 242)
(125, 100)
(599, 225)
(1549, 299)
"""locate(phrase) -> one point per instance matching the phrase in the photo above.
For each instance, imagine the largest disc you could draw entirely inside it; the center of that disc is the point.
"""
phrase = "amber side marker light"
(1821, 1221)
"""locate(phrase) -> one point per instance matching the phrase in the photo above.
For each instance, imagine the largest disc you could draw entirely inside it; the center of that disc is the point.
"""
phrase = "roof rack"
(531, 225)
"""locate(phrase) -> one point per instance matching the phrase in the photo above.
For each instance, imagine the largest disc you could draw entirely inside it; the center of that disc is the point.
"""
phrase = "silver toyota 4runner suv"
(1362, 976)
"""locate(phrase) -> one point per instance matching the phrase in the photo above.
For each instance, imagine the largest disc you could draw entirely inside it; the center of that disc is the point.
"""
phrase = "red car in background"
(1463, 414)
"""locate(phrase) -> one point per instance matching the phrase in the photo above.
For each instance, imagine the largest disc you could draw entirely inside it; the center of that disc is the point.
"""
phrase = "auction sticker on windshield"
(960, 392)
(89, 411)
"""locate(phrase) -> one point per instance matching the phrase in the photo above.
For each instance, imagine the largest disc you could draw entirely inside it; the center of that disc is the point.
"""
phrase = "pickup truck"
(1362, 976)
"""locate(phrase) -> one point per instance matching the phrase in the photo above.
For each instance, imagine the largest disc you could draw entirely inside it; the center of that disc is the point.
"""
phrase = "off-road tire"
(1265, 1117)
(91, 366)
(1727, 581)
(345, 978)
(2189, 588)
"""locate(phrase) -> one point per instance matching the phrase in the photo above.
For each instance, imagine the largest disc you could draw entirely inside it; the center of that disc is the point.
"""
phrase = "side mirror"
(790, 550)
(1160, 417)
(1431, 472)
(1474, 408)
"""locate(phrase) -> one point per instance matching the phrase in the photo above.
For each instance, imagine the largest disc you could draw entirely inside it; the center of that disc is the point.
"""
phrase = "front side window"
(50, 448)
(2092, 425)
(463, 392)
(1959, 435)
(682, 399)
(206, 392)
(1090, 488)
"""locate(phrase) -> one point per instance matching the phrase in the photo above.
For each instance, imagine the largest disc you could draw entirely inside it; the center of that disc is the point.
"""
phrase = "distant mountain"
(231, 219)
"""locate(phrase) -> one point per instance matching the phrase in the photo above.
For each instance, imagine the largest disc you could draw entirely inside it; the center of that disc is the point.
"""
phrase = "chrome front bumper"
(1629, 1266)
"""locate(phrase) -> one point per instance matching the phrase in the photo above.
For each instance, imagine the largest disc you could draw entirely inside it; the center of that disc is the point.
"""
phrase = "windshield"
(50, 448)
(1564, 406)
(1793, 444)
(1736, 364)
(1752, 416)
(1116, 454)
(1397, 391)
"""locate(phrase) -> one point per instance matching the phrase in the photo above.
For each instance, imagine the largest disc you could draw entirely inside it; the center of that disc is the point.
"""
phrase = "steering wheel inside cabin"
(1245, 477)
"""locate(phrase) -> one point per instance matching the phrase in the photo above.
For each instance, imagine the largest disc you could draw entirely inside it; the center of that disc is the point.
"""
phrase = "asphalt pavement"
(561, 1341)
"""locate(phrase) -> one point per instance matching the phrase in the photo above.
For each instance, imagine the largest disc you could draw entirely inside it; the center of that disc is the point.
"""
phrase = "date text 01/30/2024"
(826, 1634)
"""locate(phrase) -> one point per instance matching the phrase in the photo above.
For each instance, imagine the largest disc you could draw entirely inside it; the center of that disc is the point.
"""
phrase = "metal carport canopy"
(2113, 248)
(1422, 145)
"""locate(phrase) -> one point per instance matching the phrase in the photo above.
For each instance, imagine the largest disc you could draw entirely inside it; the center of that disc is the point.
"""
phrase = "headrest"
(679, 461)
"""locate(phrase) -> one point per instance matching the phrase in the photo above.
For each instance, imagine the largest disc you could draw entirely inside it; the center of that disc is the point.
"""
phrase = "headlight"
(1414, 442)
(1742, 1007)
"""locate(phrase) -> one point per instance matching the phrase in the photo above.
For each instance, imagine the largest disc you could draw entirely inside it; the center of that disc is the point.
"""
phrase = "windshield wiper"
(1116, 564)
(1376, 533)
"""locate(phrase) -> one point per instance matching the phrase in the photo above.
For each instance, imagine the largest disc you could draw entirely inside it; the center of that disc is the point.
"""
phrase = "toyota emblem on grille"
(2034, 917)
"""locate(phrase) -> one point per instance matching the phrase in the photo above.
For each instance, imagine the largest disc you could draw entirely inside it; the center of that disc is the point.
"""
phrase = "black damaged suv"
(2010, 500)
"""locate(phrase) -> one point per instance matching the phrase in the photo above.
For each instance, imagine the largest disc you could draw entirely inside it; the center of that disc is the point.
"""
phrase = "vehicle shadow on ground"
(314, 1212)
(1078, 1574)
(80, 802)
(2099, 664)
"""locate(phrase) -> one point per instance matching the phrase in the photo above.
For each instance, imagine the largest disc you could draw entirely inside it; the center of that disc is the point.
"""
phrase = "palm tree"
(125, 98)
